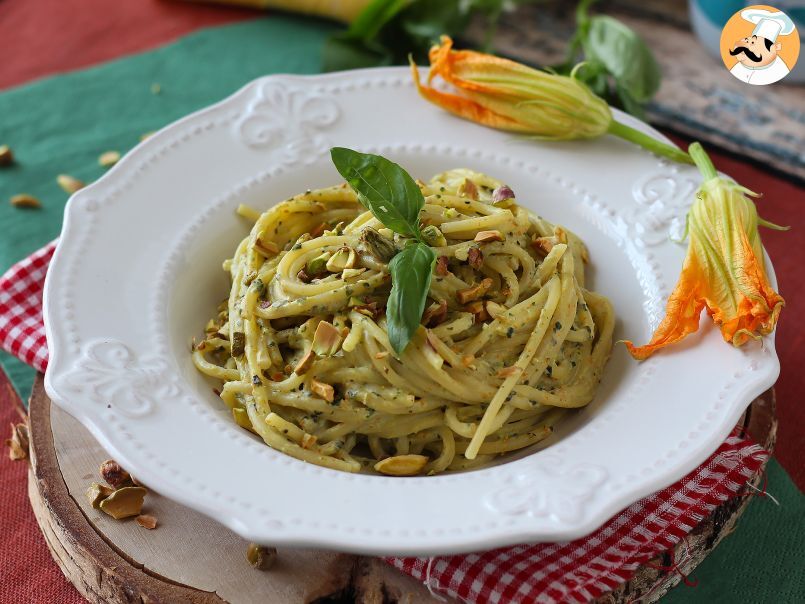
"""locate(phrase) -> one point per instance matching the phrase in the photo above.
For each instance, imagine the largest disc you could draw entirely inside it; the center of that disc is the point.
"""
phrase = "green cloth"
(62, 124)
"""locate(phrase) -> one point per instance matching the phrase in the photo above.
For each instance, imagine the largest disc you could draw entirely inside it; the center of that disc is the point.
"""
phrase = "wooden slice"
(190, 558)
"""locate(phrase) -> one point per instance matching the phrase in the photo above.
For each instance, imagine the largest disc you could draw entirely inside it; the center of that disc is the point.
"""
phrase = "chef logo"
(760, 45)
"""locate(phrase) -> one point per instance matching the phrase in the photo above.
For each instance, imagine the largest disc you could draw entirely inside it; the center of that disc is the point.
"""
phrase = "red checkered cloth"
(22, 332)
(549, 572)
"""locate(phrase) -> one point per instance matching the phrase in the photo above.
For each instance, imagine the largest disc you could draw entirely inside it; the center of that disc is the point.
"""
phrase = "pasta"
(510, 340)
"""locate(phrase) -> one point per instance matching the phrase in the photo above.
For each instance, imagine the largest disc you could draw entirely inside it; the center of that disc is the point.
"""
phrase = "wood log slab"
(189, 558)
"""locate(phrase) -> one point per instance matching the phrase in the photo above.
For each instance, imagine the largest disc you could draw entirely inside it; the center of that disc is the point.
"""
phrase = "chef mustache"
(752, 56)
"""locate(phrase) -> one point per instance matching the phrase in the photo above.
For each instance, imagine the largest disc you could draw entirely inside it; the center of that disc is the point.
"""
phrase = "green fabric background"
(61, 125)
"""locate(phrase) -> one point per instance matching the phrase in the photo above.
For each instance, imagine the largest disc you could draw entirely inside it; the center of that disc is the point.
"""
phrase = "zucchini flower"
(723, 270)
(507, 95)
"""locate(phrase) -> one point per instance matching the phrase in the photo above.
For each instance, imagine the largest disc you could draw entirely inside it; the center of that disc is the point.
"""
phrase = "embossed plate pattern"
(137, 272)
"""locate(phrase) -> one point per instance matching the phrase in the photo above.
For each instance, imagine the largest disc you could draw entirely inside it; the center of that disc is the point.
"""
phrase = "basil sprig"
(390, 193)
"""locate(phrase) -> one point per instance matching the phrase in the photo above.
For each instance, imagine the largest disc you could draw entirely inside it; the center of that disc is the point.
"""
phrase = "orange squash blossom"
(723, 270)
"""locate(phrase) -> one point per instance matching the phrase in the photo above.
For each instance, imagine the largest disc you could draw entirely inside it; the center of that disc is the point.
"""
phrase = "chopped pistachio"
(303, 276)
(317, 265)
(326, 340)
(124, 502)
(502, 193)
(441, 269)
(261, 557)
(342, 259)
(322, 390)
(241, 417)
(109, 158)
(543, 245)
(351, 273)
(378, 246)
(97, 492)
(474, 292)
(433, 236)
(308, 441)
(478, 309)
(6, 155)
(402, 465)
(147, 521)
(305, 362)
(488, 236)
(468, 189)
(69, 183)
(23, 200)
(475, 257)
(435, 314)
(113, 474)
(266, 246)
(316, 232)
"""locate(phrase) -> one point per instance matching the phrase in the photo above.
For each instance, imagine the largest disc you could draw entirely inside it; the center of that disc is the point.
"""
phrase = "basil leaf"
(624, 55)
(382, 187)
(411, 272)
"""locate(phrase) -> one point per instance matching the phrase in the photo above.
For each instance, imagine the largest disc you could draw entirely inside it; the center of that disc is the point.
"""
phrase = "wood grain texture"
(698, 97)
(191, 559)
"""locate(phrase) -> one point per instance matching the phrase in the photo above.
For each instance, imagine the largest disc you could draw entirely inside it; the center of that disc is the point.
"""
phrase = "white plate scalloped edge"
(164, 216)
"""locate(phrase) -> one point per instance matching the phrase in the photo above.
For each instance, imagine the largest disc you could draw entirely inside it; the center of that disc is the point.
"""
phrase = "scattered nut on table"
(147, 521)
(124, 502)
(96, 493)
(69, 183)
(112, 473)
(109, 158)
(24, 200)
(261, 557)
(18, 443)
(6, 155)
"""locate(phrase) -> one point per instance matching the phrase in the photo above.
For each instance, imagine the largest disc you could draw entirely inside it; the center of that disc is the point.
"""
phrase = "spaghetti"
(510, 339)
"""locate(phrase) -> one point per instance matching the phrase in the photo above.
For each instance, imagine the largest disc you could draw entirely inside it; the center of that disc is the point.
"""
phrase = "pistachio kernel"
(124, 502)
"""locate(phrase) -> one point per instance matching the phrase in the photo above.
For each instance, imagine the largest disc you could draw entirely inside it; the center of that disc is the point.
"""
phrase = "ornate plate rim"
(66, 347)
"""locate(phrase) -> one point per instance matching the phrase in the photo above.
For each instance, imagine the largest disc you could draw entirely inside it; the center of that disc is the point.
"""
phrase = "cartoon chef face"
(755, 51)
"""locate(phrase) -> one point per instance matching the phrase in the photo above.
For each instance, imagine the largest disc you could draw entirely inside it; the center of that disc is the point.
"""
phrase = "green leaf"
(341, 52)
(373, 17)
(411, 272)
(624, 55)
(383, 187)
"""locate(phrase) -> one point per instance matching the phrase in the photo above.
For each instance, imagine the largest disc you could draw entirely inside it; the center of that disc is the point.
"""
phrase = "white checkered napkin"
(577, 571)
(22, 332)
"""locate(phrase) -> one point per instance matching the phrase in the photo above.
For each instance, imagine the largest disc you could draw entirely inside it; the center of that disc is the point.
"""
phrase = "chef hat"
(769, 24)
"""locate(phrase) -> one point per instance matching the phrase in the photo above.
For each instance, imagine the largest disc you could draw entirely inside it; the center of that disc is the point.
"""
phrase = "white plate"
(137, 273)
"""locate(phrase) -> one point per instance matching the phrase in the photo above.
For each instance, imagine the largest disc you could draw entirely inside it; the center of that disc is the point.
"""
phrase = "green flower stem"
(702, 160)
(649, 142)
